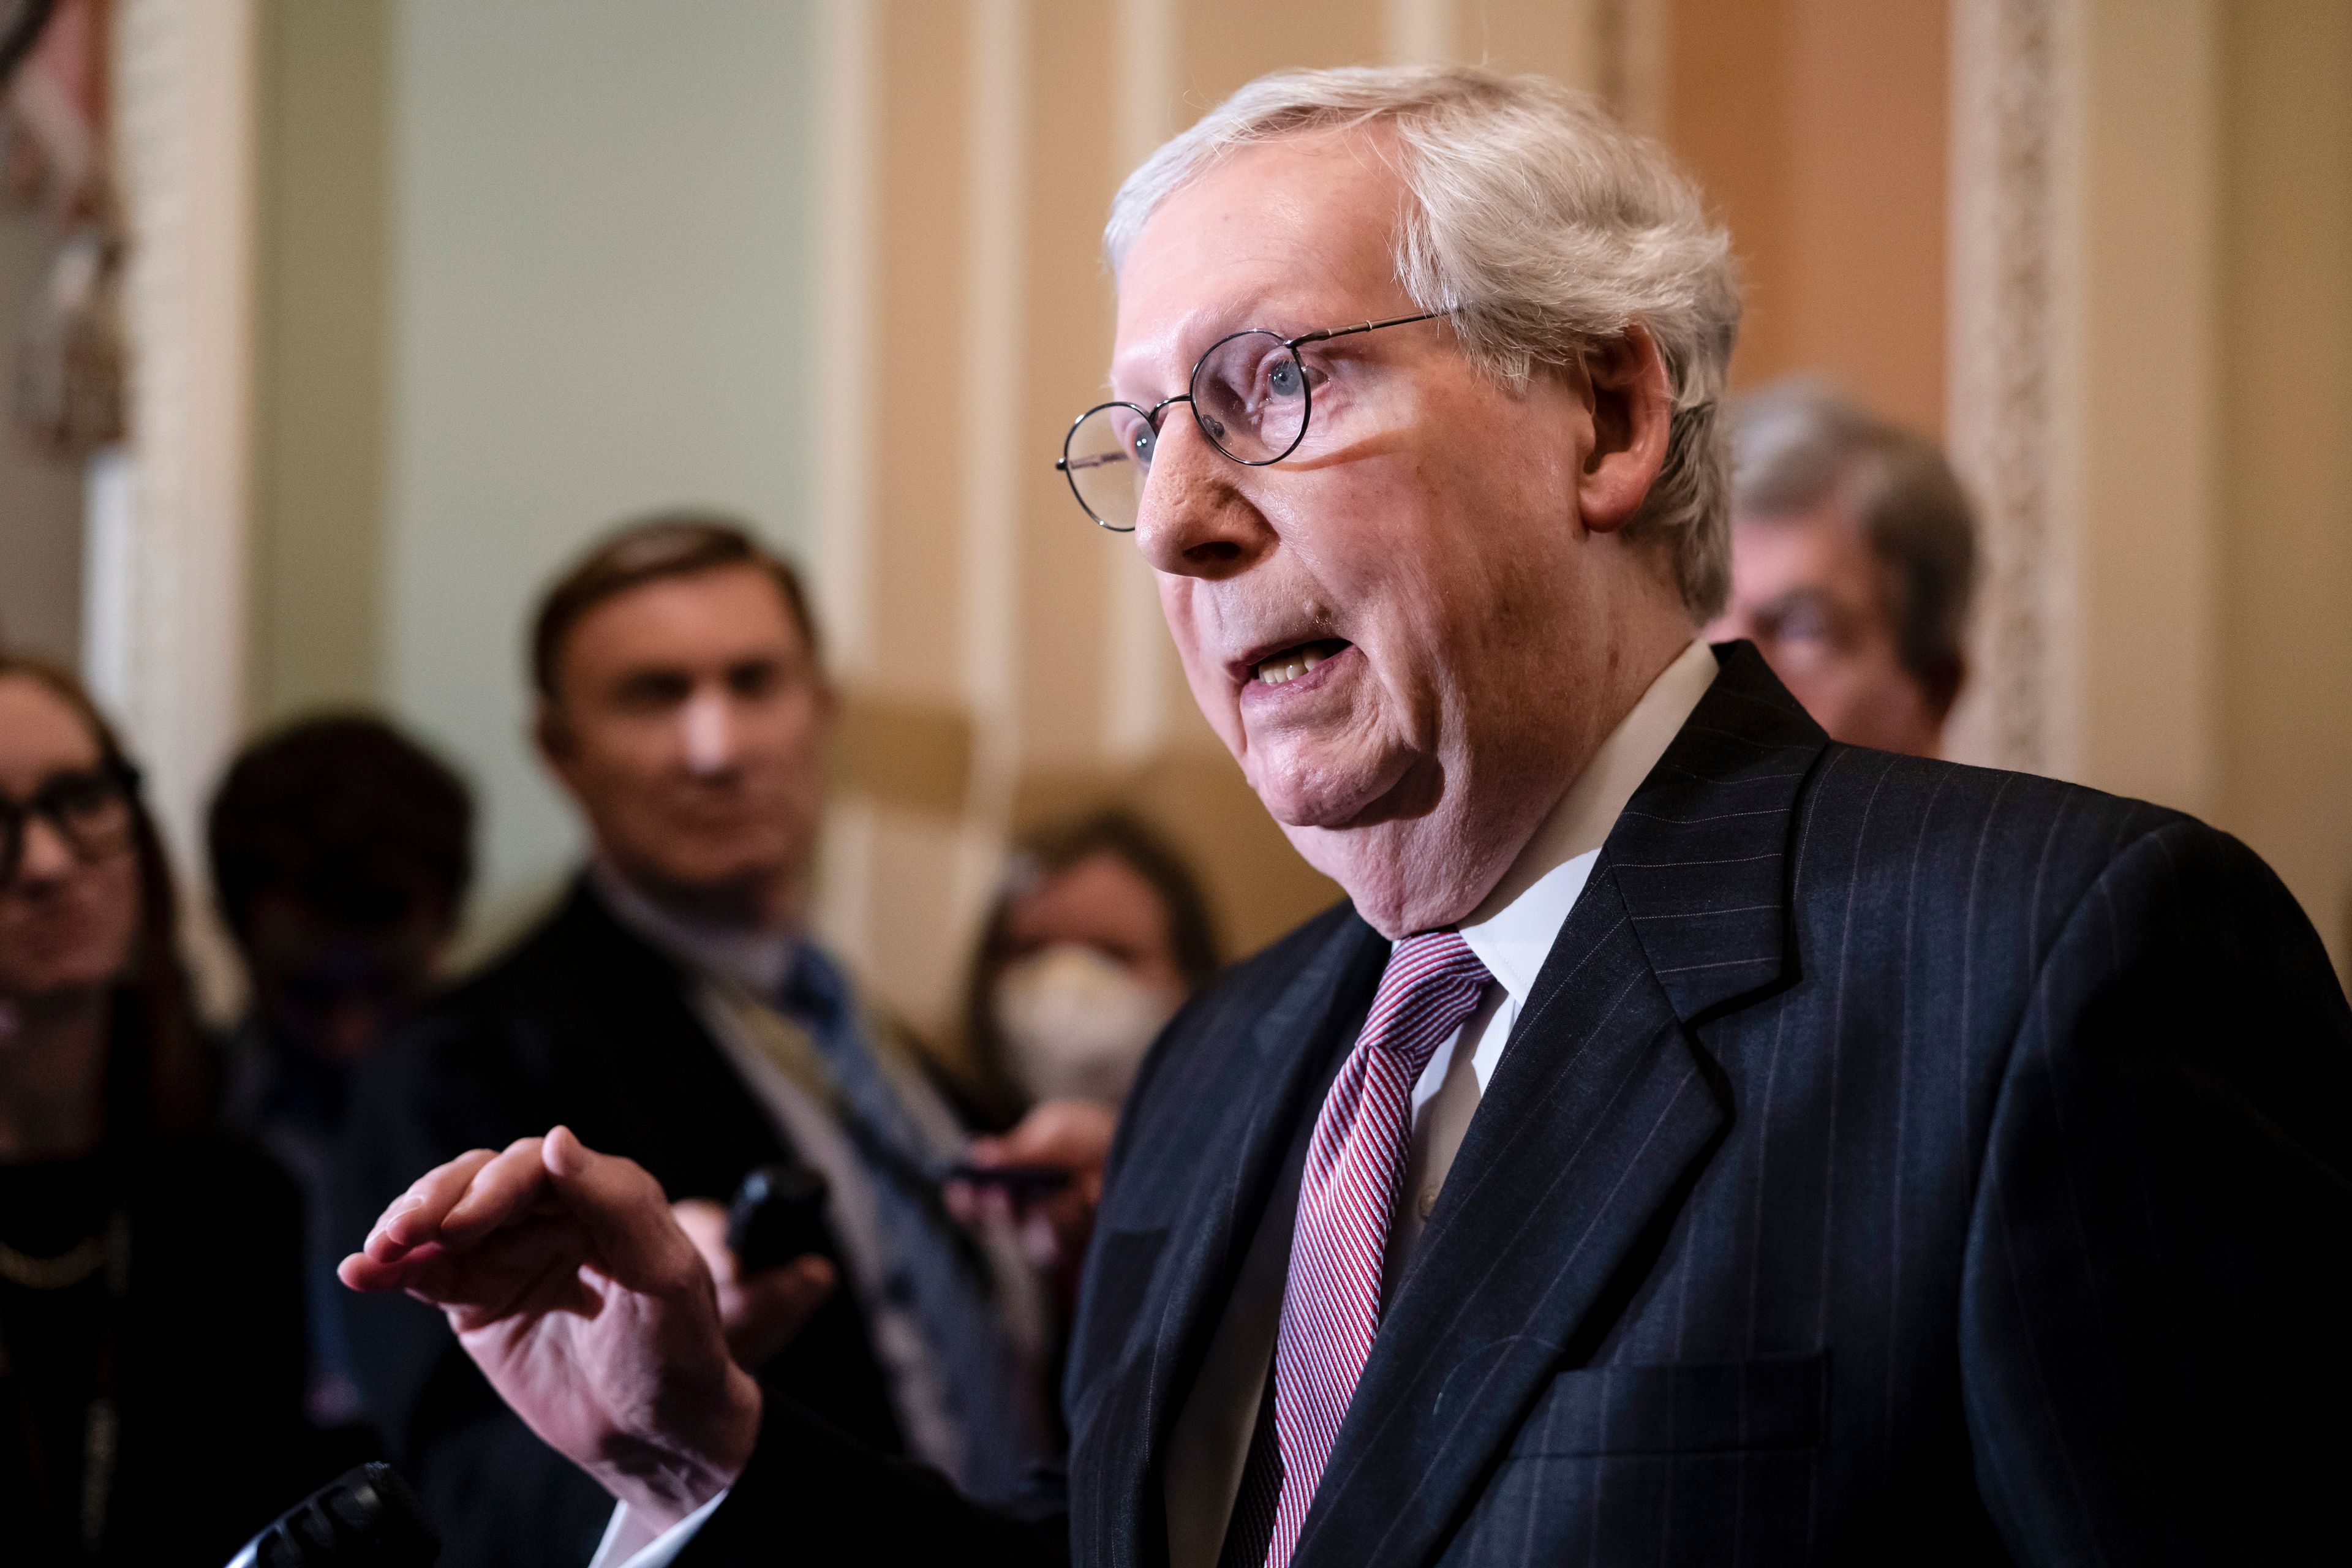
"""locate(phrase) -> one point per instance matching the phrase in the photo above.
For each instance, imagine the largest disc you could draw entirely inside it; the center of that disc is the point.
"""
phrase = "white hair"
(1544, 228)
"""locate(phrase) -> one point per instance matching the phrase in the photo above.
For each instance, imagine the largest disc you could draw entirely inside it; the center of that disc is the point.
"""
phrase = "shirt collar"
(1513, 930)
(756, 960)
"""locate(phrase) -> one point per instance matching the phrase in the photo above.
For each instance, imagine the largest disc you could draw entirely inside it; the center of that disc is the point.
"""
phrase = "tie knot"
(1432, 984)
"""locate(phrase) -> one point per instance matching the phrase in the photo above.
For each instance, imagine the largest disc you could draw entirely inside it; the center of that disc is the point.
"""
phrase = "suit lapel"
(1598, 1117)
(1222, 1153)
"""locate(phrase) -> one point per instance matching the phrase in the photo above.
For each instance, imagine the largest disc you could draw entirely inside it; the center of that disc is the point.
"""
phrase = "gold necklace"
(62, 1272)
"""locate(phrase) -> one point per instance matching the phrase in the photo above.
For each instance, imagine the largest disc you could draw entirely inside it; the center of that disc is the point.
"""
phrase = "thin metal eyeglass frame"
(1152, 415)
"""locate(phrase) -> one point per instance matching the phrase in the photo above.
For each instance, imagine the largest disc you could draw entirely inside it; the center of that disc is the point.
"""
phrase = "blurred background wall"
(438, 289)
(526, 267)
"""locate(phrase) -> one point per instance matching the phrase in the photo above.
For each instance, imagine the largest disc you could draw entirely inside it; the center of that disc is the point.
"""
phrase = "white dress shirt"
(1513, 930)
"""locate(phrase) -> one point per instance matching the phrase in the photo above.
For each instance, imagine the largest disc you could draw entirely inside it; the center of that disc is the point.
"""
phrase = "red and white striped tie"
(1347, 1197)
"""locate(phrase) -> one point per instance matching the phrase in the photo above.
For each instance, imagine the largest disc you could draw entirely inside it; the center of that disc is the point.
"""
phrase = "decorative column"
(166, 588)
(2011, 399)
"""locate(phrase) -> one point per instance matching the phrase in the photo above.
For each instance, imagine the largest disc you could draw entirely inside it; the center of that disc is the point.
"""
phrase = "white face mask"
(1076, 1023)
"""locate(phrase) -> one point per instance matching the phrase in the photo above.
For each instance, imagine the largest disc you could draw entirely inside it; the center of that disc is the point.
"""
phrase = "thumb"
(625, 1212)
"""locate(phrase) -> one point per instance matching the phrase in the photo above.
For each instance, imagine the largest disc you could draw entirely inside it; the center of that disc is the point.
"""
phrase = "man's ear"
(551, 734)
(1631, 416)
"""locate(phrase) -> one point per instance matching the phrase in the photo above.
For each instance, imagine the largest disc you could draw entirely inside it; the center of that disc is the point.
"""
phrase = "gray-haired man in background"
(1853, 553)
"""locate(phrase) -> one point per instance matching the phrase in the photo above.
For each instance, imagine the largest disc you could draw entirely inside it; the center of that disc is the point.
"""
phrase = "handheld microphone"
(368, 1517)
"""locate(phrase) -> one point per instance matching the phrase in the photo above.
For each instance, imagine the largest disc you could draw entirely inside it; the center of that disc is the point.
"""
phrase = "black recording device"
(1022, 1183)
(778, 1214)
(368, 1517)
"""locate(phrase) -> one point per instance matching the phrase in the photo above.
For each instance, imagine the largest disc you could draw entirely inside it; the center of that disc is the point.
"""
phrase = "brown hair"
(172, 1088)
(350, 817)
(648, 550)
(1133, 843)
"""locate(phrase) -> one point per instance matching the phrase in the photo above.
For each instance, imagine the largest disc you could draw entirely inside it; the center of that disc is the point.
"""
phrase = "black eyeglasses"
(1251, 397)
(89, 807)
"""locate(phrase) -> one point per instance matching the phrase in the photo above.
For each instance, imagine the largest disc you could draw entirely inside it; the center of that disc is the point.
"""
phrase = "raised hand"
(571, 1284)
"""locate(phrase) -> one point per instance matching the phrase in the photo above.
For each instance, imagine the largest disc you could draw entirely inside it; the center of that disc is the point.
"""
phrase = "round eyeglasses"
(1250, 394)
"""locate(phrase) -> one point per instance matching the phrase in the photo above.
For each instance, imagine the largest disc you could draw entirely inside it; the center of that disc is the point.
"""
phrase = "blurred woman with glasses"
(150, 1344)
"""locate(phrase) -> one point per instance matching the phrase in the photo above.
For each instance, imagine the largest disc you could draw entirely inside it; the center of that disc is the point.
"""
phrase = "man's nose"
(706, 732)
(1194, 520)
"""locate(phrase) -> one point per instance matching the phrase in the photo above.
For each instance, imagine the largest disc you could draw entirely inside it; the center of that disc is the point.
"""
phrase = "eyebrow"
(1206, 325)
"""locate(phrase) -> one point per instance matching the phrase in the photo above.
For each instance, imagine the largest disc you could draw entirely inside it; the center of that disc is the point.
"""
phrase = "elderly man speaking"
(1694, 1141)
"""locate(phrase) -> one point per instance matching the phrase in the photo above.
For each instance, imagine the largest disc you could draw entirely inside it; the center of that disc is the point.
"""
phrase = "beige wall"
(1817, 130)
(1005, 662)
(2147, 401)
(2212, 375)
(520, 269)
(322, 261)
(2282, 337)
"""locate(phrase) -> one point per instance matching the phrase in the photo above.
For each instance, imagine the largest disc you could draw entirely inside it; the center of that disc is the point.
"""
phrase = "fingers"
(765, 1313)
(510, 1188)
(456, 1205)
(413, 1218)
(360, 1272)
(524, 1272)
(534, 1262)
(625, 1212)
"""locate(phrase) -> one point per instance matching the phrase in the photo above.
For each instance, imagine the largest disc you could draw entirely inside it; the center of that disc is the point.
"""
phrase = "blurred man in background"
(674, 1004)
(1853, 555)
(340, 855)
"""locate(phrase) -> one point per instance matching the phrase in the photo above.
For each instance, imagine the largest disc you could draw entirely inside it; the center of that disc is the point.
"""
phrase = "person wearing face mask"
(1097, 935)
(150, 1359)
(675, 1002)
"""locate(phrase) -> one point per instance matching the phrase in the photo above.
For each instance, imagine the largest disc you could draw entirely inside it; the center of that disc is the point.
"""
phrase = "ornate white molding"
(2014, 270)
(167, 592)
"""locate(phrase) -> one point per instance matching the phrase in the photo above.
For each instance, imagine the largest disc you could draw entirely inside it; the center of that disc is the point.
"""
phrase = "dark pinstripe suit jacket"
(1896, 1162)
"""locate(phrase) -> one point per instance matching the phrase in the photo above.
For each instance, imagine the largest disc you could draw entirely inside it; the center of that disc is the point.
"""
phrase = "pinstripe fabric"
(1893, 1161)
(1331, 1305)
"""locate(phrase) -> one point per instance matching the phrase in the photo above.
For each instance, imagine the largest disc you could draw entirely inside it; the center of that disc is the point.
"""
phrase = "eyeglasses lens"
(1250, 392)
(91, 811)
(1107, 458)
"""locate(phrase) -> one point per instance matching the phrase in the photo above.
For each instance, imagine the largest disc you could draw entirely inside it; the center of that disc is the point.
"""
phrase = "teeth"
(1288, 666)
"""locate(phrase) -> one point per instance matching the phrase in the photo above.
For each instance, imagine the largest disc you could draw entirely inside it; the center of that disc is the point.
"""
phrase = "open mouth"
(1279, 668)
